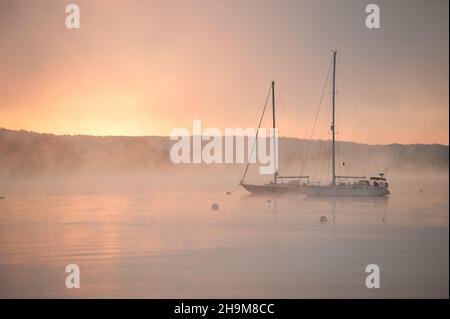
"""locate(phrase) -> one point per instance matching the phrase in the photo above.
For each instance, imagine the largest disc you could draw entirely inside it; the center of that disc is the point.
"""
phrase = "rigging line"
(319, 162)
(235, 189)
(285, 114)
(315, 119)
(352, 103)
(345, 128)
(319, 159)
(328, 169)
(282, 107)
(345, 120)
(340, 167)
(351, 106)
(279, 114)
(328, 152)
(324, 155)
(257, 131)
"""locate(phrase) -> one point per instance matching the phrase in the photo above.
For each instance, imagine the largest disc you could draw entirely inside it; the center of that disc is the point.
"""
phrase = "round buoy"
(214, 206)
(323, 219)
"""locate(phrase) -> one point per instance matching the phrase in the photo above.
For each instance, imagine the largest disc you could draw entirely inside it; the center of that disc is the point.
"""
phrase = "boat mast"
(333, 124)
(274, 136)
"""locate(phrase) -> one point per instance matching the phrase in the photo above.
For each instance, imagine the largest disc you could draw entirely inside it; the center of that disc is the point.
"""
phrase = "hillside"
(26, 154)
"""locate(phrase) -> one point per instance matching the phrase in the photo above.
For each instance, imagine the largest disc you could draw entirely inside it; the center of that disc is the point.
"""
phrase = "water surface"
(170, 244)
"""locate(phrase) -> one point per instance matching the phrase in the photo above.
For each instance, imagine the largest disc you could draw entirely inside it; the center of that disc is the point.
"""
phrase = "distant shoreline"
(2, 129)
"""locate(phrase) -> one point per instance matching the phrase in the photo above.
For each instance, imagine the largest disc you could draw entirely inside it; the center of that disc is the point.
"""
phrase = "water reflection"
(375, 205)
(171, 244)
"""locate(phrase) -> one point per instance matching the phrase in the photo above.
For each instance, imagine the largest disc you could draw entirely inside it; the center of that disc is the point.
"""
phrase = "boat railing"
(294, 177)
(350, 177)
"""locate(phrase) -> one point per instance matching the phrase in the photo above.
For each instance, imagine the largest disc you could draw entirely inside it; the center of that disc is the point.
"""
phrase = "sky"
(146, 67)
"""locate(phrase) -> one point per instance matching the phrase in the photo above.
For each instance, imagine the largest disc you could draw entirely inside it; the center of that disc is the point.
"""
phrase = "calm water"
(172, 245)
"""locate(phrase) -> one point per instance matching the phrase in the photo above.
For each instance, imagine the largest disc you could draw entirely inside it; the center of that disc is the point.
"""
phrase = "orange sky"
(145, 67)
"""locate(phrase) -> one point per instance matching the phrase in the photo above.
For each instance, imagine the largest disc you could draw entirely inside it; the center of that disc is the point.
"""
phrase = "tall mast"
(333, 123)
(274, 136)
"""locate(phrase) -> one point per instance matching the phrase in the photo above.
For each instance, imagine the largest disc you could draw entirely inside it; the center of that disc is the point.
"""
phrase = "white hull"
(345, 191)
(273, 188)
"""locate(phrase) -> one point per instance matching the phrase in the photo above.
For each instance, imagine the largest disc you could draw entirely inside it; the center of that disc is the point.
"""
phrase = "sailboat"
(279, 184)
(339, 186)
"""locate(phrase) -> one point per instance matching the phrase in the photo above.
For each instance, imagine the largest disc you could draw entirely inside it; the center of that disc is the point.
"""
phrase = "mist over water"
(158, 237)
(139, 226)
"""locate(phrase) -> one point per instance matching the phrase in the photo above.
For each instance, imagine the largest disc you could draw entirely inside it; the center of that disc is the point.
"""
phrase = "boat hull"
(345, 191)
(273, 188)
